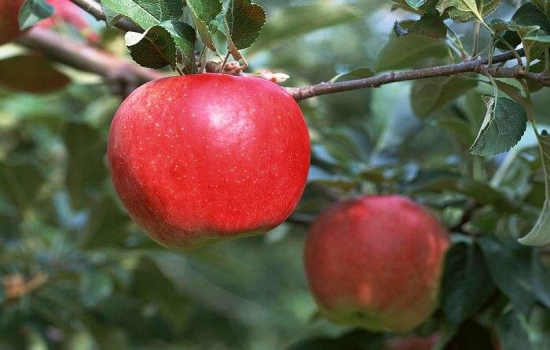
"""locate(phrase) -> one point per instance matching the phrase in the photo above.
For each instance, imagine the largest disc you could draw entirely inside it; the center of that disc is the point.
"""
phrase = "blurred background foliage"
(77, 273)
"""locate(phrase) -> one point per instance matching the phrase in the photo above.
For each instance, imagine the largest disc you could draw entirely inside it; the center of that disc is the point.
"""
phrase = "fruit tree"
(224, 174)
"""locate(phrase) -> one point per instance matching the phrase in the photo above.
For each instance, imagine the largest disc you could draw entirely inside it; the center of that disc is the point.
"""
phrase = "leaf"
(95, 286)
(146, 13)
(512, 332)
(31, 73)
(466, 284)
(540, 233)
(204, 12)
(408, 51)
(357, 73)
(288, 22)
(244, 22)
(467, 10)
(526, 21)
(504, 124)
(154, 48)
(432, 94)
(510, 267)
(429, 25)
(415, 4)
(33, 11)
(541, 278)
(110, 16)
(184, 37)
(515, 93)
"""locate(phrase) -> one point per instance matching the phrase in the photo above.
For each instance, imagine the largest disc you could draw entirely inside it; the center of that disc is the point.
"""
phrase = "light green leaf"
(415, 4)
(504, 124)
(540, 234)
(153, 49)
(467, 10)
(430, 95)
(357, 73)
(407, 51)
(204, 14)
(146, 13)
(33, 11)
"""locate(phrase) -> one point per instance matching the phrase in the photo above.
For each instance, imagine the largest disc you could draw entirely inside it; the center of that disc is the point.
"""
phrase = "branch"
(93, 60)
(94, 8)
(123, 75)
(479, 66)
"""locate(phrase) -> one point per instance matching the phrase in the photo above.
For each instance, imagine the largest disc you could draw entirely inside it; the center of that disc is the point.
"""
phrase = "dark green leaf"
(540, 233)
(244, 22)
(430, 95)
(512, 332)
(510, 268)
(541, 278)
(466, 282)
(204, 13)
(153, 49)
(33, 11)
(184, 37)
(504, 124)
(408, 51)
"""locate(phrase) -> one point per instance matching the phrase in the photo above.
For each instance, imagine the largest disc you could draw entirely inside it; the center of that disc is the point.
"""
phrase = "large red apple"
(9, 22)
(375, 262)
(207, 157)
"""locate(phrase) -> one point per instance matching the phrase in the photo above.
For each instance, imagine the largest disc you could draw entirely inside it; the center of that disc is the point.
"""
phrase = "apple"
(203, 158)
(376, 262)
(9, 22)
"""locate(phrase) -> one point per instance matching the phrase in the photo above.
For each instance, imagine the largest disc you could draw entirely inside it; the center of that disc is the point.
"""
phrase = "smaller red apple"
(375, 262)
(9, 20)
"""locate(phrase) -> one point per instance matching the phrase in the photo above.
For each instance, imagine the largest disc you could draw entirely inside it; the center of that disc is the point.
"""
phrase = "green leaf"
(154, 48)
(510, 267)
(432, 94)
(204, 12)
(244, 22)
(357, 73)
(288, 22)
(146, 13)
(415, 4)
(540, 233)
(110, 16)
(504, 124)
(95, 286)
(541, 277)
(33, 11)
(512, 332)
(184, 37)
(515, 93)
(407, 51)
(466, 284)
(467, 10)
(31, 73)
(429, 25)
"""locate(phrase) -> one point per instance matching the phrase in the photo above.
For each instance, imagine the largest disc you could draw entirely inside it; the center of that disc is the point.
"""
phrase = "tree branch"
(94, 8)
(94, 60)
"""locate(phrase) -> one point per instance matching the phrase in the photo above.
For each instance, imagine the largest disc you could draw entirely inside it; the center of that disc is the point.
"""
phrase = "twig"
(94, 8)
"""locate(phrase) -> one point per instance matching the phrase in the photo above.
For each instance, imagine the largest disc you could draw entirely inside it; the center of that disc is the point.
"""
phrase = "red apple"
(9, 22)
(375, 262)
(201, 158)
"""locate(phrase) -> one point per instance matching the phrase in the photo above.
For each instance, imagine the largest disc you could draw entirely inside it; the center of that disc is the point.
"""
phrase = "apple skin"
(202, 158)
(9, 22)
(376, 262)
